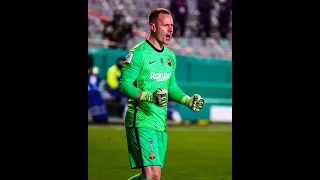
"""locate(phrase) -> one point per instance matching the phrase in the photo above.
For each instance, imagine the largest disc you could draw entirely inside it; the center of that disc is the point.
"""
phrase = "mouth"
(168, 37)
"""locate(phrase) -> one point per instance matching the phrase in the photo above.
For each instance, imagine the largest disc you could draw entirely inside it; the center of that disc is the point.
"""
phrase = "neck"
(155, 42)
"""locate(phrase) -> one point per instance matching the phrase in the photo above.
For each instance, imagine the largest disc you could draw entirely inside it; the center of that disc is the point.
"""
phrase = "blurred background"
(202, 42)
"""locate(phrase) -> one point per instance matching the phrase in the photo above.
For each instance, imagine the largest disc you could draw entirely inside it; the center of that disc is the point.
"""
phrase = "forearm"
(129, 74)
(177, 95)
(129, 90)
(195, 103)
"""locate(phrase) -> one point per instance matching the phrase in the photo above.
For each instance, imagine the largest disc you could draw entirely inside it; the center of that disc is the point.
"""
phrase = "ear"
(152, 27)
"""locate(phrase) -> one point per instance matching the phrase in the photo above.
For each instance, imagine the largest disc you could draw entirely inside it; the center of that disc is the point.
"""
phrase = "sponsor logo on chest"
(160, 76)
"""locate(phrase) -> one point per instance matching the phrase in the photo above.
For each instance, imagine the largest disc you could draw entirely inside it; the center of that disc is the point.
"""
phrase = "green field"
(194, 152)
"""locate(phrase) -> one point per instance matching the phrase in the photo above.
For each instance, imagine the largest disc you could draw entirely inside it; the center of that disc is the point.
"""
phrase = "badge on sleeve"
(128, 57)
(169, 62)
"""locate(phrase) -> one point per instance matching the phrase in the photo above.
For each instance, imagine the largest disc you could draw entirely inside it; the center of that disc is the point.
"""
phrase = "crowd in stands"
(202, 28)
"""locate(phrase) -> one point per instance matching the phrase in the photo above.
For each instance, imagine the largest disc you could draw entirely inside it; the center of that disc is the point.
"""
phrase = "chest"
(157, 64)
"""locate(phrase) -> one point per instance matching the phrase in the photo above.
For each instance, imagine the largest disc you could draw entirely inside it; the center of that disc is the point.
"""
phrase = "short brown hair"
(155, 13)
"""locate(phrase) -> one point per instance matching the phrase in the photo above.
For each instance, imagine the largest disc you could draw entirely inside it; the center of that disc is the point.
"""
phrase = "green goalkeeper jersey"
(147, 69)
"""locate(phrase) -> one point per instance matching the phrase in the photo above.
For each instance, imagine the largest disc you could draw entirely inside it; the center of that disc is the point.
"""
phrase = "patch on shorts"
(152, 155)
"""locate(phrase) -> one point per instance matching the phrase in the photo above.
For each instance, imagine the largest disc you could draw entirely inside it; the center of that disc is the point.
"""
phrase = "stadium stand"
(136, 11)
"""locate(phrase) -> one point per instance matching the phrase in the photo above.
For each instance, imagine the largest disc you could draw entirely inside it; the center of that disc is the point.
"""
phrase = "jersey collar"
(154, 47)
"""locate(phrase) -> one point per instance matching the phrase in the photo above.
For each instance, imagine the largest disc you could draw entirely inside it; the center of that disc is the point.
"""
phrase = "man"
(224, 17)
(180, 10)
(148, 79)
(204, 19)
(96, 105)
(113, 79)
(118, 30)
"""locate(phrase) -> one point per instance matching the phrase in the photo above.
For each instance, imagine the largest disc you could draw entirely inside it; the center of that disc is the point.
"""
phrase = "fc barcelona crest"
(152, 155)
(169, 62)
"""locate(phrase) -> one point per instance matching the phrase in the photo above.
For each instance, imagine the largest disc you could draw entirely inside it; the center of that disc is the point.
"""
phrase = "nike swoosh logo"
(151, 62)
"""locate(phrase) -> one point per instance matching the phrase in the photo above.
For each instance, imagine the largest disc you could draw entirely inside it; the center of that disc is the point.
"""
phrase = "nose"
(170, 28)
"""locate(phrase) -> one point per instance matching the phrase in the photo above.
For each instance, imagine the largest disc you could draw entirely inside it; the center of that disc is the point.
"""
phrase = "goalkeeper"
(148, 79)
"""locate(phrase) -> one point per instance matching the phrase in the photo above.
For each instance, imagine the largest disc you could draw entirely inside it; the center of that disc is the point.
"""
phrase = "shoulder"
(139, 47)
(113, 68)
(135, 54)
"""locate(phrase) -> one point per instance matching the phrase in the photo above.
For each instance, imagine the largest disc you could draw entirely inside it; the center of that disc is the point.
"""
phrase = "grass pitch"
(194, 152)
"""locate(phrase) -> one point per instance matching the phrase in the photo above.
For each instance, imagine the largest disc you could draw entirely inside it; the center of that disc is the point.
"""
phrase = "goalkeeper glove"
(159, 97)
(195, 103)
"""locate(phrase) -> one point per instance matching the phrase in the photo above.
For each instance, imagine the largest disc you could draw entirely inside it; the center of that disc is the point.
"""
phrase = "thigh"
(148, 139)
(142, 147)
(162, 146)
(133, 148)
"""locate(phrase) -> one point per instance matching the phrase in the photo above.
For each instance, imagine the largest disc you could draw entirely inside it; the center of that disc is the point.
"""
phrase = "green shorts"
(146, 147)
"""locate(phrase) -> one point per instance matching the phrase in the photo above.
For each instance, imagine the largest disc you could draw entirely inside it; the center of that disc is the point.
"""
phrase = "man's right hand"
(195, 103)
(159, 97)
